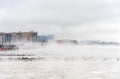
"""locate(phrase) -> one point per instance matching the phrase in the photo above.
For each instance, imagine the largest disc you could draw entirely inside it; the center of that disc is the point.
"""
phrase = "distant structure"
(67, 41)
(0, 40)
(45, 38)
(18, 36)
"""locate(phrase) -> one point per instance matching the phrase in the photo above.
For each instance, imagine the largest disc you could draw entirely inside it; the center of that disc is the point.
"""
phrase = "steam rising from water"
(87, 62)
(56, 49)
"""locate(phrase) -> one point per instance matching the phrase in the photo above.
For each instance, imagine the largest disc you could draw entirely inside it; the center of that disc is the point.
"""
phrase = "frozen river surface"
(59, 69)
(63, 62)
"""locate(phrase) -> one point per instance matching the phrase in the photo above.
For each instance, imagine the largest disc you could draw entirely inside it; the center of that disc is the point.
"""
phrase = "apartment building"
(19, 36)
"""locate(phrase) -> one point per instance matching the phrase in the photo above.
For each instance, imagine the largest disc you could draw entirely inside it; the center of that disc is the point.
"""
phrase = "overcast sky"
(75, 19)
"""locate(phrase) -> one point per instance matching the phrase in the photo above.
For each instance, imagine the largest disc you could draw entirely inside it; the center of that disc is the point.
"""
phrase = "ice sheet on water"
(59, 69)
(63, 62)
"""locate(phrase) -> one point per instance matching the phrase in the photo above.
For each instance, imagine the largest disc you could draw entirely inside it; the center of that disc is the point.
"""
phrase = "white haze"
(73, 19)
(63, 61)
(68, 50)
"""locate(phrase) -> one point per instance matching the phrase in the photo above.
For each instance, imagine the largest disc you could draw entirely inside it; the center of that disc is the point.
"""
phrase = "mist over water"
(53, 49)
(62, 61)
(71, 49)
(71, 19)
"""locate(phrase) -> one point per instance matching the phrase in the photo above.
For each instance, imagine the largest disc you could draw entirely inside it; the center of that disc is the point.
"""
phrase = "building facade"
(0, 40)
(19, 36)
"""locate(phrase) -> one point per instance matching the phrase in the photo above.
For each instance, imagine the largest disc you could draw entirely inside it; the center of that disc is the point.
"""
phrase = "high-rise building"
(19, 36)
(0, 40)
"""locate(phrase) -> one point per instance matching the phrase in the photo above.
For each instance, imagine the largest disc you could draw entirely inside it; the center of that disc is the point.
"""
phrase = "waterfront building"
(19, 36)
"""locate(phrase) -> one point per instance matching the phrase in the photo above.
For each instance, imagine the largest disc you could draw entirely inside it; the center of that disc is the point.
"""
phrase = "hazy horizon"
(78, 19)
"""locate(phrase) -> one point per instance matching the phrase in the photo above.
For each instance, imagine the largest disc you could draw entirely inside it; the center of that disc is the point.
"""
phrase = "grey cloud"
(63, 12)
(83, 19)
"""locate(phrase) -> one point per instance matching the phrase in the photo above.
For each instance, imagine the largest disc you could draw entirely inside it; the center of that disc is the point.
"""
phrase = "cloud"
(64, 12)
(79, 19)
